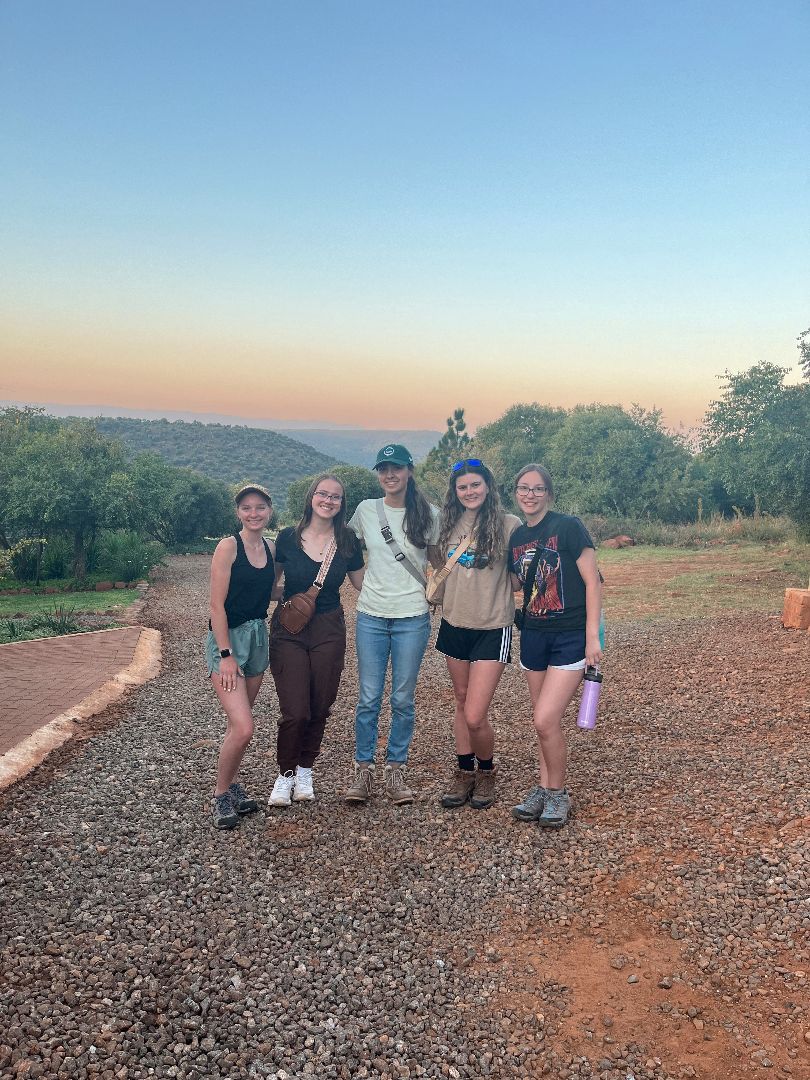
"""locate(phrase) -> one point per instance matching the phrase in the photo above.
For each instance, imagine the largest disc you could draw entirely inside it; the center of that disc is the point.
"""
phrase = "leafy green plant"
(58, 621)
(125, 556)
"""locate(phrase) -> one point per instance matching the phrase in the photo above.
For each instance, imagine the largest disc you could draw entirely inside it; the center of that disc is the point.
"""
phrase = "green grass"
(39, 603)
(645, 582)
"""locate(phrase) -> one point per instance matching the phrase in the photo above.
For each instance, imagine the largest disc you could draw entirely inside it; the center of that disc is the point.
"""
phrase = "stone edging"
(145, 665)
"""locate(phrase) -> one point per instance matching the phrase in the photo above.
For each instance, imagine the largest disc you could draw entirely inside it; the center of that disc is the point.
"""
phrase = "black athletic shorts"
(461, 643)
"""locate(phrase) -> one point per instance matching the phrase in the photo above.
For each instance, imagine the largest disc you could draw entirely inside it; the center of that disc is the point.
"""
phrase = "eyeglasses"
(328, 497)
(524, 489)
(474, 461)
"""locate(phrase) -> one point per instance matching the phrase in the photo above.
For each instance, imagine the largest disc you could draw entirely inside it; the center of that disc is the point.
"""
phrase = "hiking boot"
(304, 792)
(531, 807)
(460, 790)
(556, 809)
(223, 813)
(484, 791)
(281, 795)
(242, 802)
(395, 787)
(360, 789)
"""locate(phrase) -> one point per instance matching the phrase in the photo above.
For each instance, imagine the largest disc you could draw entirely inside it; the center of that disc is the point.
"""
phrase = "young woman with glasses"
(560, 634)
(242, 584)
(307, 666)
(478, 613)
(393, 620)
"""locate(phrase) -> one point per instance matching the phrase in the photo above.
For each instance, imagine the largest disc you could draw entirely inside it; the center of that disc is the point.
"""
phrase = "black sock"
(485, 766)
(466, 762)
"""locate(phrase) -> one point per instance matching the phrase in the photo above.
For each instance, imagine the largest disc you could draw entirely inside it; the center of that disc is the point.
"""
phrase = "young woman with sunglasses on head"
(393, 619)
(560, 634)
(478, 613)
(307, 666)
(242, 584)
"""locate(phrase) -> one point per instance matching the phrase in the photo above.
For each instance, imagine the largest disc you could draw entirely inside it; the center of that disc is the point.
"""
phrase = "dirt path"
(665, 933)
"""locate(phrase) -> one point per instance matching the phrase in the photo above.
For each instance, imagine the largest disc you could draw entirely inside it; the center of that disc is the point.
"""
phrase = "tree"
(17, 427)
(178, 506)
(69, 480)
(452, 445)
(804, 352)
(757, 442)
(358, 483)
(606, 460)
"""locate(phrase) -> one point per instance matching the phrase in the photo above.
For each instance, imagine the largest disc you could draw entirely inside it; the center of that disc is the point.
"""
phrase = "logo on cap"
(388, 451)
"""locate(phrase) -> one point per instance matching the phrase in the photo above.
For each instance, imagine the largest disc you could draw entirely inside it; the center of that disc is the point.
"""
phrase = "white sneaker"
(282, 790)
(303, 785)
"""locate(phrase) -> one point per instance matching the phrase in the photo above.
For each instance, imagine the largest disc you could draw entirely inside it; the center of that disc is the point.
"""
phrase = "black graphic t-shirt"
(300, 571)
(557, 599)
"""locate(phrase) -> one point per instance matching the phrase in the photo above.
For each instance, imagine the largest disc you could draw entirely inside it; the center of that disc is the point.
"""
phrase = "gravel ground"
(665, 933)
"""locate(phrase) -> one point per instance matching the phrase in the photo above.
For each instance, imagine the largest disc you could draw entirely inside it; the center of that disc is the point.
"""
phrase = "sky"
(370, 212)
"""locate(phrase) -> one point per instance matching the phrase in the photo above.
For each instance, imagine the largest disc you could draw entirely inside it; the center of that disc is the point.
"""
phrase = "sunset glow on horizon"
(370, 215)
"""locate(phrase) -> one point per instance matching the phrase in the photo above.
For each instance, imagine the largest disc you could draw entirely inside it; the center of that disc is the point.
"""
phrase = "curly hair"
(346, 540)
(488, 528)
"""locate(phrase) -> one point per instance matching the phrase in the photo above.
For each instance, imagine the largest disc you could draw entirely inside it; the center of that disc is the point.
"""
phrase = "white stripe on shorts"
(506, 641)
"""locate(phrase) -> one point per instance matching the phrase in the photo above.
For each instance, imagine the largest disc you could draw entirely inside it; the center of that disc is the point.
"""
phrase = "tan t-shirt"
(480, 599)
(389, 591)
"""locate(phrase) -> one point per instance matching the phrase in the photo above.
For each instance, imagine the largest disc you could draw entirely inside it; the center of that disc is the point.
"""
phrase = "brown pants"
(306, 669)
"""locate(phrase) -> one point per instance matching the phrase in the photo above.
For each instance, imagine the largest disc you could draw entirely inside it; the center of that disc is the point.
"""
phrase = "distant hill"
(223, 451)
(359, 446)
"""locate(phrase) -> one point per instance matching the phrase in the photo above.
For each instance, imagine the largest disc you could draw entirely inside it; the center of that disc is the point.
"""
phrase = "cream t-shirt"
(389, 591)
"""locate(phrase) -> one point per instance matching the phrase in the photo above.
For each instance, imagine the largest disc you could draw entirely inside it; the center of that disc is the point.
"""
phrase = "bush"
(57, 559)
(126, 557)
(761, 528)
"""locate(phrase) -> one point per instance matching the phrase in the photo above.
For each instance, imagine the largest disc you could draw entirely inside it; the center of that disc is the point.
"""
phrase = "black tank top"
(249, 590)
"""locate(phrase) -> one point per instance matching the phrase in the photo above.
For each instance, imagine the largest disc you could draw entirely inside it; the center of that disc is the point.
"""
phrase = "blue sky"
(373, 212)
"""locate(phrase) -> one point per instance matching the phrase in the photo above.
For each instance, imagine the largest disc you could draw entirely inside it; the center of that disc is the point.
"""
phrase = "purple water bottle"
(591, 689)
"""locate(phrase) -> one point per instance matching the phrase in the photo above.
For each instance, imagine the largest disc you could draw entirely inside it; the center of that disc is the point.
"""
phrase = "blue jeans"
(404, 641)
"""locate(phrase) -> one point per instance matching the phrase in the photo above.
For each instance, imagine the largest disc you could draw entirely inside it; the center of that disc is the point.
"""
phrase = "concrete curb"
(145, 665)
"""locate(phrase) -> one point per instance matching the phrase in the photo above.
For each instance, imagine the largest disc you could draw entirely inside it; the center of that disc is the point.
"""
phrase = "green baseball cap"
(393, 454)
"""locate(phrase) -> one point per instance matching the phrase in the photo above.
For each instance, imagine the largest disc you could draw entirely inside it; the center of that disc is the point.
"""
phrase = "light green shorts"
(249, 645)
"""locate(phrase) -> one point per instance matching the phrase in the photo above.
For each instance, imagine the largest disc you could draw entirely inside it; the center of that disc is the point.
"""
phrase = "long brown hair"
(346, 540)
(488, 530)
(418, 523)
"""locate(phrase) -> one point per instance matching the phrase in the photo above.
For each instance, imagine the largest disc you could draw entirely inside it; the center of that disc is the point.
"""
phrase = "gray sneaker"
(223, 813)
(532, 806)
(242, 802)
(556, 809)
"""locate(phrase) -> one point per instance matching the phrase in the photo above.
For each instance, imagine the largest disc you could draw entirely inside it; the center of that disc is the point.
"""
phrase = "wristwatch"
(224, 652)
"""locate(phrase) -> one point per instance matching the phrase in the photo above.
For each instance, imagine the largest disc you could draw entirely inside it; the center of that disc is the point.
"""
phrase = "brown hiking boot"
(484, 791)
(395, 787)
(360, 789)
(460, 790)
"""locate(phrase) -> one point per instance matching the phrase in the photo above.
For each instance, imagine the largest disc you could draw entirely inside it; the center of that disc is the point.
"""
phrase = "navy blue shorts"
(461, 643)
(542, 649)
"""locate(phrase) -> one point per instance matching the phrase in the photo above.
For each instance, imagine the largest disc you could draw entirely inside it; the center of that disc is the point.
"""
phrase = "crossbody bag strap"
(396, 550)
(463, 544)
(327, 562)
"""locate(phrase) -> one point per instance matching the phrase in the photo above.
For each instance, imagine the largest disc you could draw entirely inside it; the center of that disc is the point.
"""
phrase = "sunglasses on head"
(474, 461)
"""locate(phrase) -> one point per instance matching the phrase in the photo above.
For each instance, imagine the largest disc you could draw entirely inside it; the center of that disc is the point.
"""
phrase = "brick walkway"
(41, 679)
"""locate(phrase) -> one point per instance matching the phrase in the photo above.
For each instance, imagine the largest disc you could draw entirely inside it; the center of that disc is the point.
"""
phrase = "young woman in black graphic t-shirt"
(307, 666)
(560, 634)
(242, 584)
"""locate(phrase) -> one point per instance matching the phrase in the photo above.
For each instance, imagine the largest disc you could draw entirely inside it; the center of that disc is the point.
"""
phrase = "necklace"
(313, 543)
